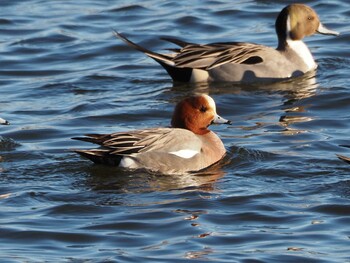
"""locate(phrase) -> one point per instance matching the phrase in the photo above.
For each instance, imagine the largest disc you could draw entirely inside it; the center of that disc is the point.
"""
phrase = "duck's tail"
(100, 156)
(178, 74)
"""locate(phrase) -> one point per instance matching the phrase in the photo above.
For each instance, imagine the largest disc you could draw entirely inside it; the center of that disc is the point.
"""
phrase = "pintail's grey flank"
(246, 62)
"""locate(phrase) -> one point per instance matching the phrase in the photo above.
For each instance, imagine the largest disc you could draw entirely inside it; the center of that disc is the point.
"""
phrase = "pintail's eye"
(203, 109)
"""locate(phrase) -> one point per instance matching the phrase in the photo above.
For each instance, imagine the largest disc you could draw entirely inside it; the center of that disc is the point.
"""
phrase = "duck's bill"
(4, 122)
(220, 120)
(325, 31)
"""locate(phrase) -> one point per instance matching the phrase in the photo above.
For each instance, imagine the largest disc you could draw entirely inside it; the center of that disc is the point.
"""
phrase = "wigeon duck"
(3, 122)
(187, 146)
(246, 62)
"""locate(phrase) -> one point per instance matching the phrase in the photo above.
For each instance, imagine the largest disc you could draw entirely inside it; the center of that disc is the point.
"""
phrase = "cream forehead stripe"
(210, 101)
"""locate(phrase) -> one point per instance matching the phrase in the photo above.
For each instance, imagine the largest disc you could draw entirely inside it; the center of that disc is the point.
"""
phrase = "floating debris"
(316, 222)
(294, 249)
(4, 122)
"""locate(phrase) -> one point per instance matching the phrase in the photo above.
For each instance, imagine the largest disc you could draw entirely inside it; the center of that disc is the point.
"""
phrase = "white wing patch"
(186, 154)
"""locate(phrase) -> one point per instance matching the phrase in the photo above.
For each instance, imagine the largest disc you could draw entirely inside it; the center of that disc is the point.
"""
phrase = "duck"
(3, 122)
(242, 62)
(344, 158)
(187, 146)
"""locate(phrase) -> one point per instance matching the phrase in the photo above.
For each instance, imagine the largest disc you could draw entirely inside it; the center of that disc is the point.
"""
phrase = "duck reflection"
(102, 178)
(294, 89)
(294, 92)
(293, 106)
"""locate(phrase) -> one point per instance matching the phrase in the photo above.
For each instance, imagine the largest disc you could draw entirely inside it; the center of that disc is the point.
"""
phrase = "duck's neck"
(300, 48)
(290, 39)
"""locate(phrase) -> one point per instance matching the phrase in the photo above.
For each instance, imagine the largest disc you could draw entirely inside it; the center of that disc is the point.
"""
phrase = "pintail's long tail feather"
(178, 74)
(156, 56)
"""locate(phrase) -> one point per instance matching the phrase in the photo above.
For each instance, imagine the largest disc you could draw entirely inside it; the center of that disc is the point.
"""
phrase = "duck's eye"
(203, 109)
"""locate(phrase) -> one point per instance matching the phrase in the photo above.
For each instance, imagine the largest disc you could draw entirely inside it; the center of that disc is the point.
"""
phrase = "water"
(280, 195)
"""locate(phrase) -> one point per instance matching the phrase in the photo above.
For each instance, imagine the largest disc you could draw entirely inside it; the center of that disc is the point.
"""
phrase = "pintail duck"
(187, 146)
(246, 62)
(4, 122)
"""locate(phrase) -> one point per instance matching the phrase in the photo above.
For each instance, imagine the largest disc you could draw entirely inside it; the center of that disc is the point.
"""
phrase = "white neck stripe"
(300, 48)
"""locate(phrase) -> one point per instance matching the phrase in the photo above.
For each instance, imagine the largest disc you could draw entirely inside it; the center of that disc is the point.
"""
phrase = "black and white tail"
(178, 74)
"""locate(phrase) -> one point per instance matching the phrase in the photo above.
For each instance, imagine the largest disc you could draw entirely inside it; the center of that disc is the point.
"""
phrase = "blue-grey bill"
(325, 31)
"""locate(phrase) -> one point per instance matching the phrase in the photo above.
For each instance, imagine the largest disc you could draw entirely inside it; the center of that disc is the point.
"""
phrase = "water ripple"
(280, 195)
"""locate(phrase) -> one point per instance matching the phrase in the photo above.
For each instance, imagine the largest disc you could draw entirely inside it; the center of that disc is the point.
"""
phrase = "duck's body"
(246, 62)
(286, 64)
(186, 147)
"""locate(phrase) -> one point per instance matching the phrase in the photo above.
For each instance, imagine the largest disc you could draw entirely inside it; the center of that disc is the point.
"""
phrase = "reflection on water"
(293, 93)
(103, 178)
(293, 89)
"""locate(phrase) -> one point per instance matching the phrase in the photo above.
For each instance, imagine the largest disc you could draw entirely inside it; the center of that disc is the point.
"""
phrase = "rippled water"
(281, 194)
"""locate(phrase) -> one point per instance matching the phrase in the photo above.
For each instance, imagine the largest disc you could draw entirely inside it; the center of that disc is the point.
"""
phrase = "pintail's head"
(297, 21)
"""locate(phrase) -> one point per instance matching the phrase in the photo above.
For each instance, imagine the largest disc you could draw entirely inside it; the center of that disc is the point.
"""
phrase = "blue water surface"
(280, 195)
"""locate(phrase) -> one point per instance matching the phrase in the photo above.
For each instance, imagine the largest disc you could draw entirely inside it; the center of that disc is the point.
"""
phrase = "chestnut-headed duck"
(246, 62)
(188, 146)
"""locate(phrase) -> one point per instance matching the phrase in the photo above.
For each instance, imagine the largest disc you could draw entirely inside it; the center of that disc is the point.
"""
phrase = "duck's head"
(196, 113)
(297, 21)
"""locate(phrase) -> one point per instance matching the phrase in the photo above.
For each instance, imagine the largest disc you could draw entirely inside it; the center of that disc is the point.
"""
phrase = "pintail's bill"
(325, 31)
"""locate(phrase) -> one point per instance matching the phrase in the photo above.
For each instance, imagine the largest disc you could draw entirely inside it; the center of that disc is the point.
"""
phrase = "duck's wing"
(206, 57)
(213, 55)
(162, 140)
